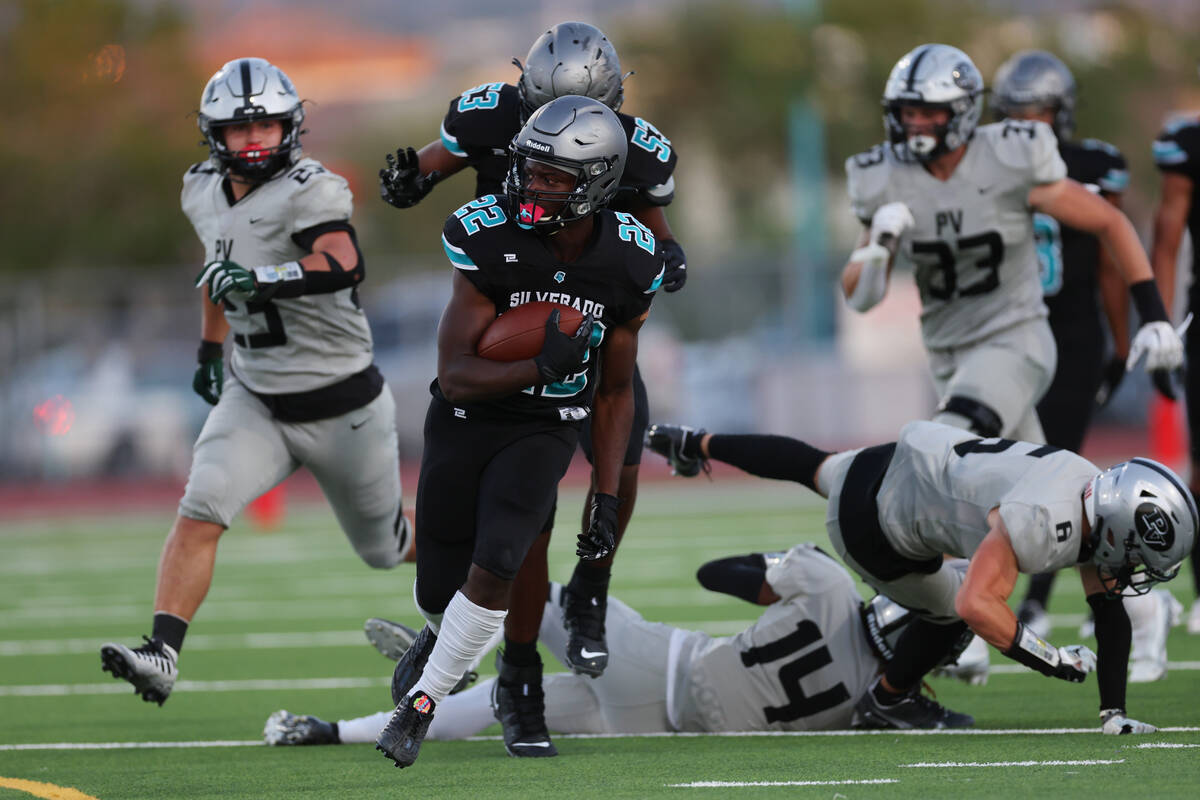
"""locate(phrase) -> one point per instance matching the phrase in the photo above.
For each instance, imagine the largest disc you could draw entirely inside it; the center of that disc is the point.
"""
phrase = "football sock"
(769, 456)
(521, 654)
(921, 647)
(883, 696)
(590, 580)
(466, 630)
(169, 629)
(362, 730)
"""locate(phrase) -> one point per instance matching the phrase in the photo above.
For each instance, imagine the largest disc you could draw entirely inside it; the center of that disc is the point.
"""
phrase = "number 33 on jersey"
(972, 247)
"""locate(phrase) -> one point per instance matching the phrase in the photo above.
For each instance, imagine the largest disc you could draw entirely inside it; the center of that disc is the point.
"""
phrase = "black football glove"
(1114, 372)
(401, 183)
(675, 263)
(562, 354)
(601, 536)
(210, 375)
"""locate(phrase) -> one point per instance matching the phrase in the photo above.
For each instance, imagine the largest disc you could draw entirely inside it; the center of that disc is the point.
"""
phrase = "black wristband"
(1028, 649)
(1148, 301)
(209, 350)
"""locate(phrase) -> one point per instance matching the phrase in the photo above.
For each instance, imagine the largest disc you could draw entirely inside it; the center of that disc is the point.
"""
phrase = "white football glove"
(1114, 722)
(893, 218)
(1078, 656)
(1159, 343)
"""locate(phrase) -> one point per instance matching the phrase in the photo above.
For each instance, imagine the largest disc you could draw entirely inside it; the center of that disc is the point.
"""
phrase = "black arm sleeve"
(338, 277)
(1113, 637)
(769, 456)
(740, 576)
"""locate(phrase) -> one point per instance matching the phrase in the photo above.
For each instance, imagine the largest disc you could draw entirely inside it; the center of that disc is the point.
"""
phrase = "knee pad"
(983, 419)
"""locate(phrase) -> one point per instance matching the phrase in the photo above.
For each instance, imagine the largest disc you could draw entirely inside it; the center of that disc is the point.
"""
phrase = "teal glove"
(210, 375)
(224, 277)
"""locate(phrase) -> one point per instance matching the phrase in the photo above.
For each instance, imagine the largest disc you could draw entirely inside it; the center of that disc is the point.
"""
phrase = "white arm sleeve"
(872, 278)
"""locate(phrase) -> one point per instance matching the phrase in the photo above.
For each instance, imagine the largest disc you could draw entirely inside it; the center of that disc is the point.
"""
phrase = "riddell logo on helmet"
(1154, 527)
(541, 147)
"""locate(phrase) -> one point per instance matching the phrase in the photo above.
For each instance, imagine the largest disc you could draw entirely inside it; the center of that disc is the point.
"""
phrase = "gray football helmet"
(1143, 522)
(578, 135)
(936, 76)
(248, 89)
(885, 620)
(1036, 79)
(570, 58)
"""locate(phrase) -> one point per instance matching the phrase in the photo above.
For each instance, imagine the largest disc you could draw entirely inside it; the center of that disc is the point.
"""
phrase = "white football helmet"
(248, 89)
(933, 76)
(885, 619)
(1143, 523)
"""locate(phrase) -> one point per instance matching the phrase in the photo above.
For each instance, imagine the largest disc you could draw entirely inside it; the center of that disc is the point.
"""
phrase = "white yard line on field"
(739, 784)
(1054, 763)
(955, 732)
(121, 687)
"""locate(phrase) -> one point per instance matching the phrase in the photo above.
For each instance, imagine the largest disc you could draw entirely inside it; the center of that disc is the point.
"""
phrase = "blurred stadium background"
(763, 101)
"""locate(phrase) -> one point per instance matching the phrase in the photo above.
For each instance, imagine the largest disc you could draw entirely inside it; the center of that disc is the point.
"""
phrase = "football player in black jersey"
(499, 436)
(1076, 271)
(1177, 156)
(570, 58)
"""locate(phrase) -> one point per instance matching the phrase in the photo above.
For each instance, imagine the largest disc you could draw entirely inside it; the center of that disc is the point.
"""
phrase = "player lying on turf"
(896, 509)
(803, 665)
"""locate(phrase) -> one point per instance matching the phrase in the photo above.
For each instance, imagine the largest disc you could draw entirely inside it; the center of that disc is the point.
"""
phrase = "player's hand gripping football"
(562, 354)
(401, 183)
(674, 266)
(601, 535)
(225, 277)
(1114, 722)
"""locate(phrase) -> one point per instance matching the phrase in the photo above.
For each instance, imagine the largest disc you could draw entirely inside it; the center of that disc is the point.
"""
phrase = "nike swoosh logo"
(585, 653)
(354, 426)
(255, 219)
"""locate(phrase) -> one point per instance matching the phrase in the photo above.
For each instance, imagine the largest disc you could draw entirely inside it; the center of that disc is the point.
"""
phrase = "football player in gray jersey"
(955, 201)
(802, 665)
(282, 272)
(897, 510)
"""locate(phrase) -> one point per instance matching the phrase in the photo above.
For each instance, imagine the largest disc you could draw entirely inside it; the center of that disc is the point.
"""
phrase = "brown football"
(518, 333)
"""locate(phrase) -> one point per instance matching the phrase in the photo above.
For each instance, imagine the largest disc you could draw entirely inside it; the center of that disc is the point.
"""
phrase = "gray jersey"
(972, 248)
(801, 666)
(943, 481)
(288, 345)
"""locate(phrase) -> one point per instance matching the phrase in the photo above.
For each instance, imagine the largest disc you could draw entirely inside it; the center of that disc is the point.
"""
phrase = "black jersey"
(482, 121)
(615, 280)
(1068, 258)
(1177, 149)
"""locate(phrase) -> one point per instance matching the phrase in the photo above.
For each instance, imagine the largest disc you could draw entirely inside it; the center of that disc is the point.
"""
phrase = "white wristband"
(277, 273)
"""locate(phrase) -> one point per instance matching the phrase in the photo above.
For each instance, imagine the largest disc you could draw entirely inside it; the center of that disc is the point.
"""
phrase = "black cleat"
(412, 664)
(151, 668)
(915, 710)
(400, 740)
(520, 705)
(583, 617)
(392, 640)
(680, 446)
